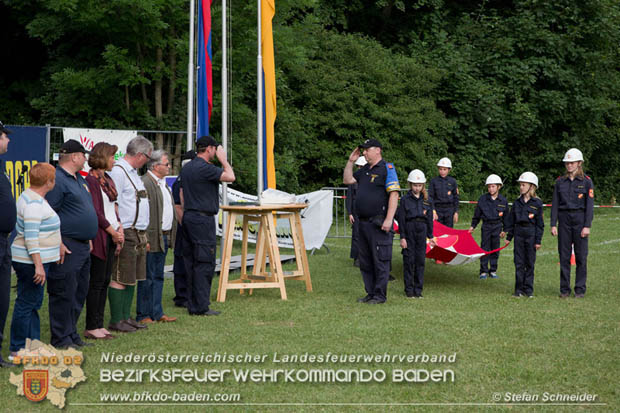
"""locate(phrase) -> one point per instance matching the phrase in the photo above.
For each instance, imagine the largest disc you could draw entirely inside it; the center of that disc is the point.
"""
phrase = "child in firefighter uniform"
(525, 224)
(415, 218)
(492, 209)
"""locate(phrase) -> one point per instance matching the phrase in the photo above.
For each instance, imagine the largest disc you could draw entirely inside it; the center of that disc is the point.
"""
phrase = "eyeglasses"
(165, 164)
(147, 156)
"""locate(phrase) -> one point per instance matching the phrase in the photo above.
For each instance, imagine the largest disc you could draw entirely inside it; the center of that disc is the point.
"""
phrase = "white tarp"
(316, 219)
(89, 137)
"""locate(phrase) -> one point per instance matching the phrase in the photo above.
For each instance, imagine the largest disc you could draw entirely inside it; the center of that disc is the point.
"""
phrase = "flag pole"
(190, 77)
(259, 105)
(224, 121)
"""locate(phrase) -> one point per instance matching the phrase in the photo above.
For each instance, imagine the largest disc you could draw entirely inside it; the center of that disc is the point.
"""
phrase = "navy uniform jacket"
(526, 213)
(200, 182)
(373, 188)
(7, 202)
(444, 191)
(411, 208)
(350, 200)
(575, 194)
(489, 209)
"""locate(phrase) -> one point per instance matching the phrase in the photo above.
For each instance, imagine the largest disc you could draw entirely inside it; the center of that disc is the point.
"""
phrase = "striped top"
(38, 230)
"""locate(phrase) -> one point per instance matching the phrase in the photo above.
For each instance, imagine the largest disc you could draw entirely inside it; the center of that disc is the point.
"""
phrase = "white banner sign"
(89, 137)
(316, 219)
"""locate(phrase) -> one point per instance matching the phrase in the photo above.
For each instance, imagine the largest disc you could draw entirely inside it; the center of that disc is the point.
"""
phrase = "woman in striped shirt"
(35, 247)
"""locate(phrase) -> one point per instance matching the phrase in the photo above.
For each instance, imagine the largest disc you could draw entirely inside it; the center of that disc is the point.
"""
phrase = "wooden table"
(266, 246)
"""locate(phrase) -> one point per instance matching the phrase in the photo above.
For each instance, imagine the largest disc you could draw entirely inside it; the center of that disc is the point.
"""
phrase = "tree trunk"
(127, 104)
(172, 62)
(177, 150)
(159, 113)
(142, 85)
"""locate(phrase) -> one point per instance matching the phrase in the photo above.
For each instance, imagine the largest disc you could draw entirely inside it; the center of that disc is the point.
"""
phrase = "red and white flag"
(455, 246)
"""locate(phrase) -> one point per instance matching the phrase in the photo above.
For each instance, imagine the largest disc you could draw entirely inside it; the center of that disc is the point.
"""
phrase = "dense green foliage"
(498, 86)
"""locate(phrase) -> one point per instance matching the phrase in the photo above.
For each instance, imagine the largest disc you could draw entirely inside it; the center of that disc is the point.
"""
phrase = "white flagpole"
(190, 78)
(259, 111)
(224, 121)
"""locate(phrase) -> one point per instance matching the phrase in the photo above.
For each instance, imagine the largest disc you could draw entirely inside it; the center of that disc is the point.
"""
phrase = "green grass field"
(503, 345)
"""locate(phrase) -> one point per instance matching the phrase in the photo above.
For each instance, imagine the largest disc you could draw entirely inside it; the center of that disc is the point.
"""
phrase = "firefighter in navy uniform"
(525, 223)
(8, 218)
(178, 268)
(200, 182)
(376, 203)
(492, 209)
(350, 205)
(415, 219)
(572, 212)
(445, 194)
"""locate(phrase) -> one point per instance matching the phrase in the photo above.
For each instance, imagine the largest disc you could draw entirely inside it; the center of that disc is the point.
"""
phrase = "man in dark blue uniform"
(445, 194)
(350, 205)
(376, 202)
(573, 207)
(200, 182)
(492, 209)
(67, 282)
(180, 275)
(8, 218)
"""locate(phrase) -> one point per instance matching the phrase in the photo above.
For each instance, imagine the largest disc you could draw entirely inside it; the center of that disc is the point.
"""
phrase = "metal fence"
(173, 142)
(341, 228)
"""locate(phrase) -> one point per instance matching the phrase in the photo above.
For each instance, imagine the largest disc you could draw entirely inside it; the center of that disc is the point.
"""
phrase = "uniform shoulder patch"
(591, 193)
(587, 177)
(390, 166)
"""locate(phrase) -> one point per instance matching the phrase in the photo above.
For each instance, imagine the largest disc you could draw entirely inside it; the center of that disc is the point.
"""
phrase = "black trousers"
(180, 275)
(355, 235)
(445, 216)
(5, 281)
(414, 258)
(570, 224)
(199, 258)
(100, 273)
(375, 256)
(525, 259)
(490, 241)
(67, 286)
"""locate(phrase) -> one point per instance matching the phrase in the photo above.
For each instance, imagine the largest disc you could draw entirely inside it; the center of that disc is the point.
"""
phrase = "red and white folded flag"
(455, 246)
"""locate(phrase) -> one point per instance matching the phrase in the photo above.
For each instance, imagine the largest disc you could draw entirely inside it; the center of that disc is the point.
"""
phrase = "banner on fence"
(89, 137)
(27, 148)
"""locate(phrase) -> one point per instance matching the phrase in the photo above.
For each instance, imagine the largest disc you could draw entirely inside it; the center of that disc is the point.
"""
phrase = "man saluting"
(376, 202)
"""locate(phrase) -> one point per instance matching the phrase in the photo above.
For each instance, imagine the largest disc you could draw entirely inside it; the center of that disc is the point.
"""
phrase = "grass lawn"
(503, 345)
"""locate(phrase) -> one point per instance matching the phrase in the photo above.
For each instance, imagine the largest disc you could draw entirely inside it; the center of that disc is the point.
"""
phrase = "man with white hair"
(160, 235)
(133, 209)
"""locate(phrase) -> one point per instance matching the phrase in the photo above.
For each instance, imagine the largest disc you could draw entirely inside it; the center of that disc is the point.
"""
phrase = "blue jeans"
(149, 290)
(25, 323)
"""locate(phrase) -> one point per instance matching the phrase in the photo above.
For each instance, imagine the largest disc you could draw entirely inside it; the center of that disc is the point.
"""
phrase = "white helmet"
(361, 161)
(494, 179)
(573, 155)
(445, 162)
(528, 177)
(416, 177)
